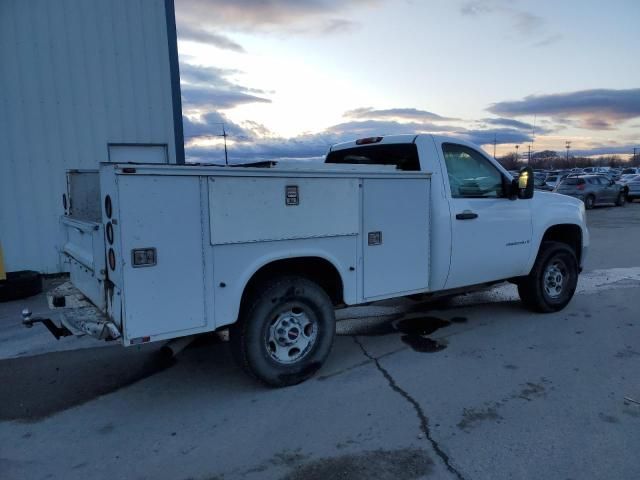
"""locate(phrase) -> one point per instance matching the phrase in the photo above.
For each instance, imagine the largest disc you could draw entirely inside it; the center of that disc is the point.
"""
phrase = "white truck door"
(491, 234)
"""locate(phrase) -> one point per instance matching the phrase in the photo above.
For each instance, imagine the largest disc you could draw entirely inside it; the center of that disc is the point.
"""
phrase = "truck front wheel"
(285, 331)
(552, 282)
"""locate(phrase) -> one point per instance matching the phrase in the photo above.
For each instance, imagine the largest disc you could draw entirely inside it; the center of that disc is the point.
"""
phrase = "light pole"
(495, 141)
(517, 157)
(567, 145)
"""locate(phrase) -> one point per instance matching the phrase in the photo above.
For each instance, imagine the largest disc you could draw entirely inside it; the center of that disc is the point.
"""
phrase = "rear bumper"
(78, 316)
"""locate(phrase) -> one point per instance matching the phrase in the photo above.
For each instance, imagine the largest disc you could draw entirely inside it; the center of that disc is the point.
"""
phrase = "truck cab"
(482, 231)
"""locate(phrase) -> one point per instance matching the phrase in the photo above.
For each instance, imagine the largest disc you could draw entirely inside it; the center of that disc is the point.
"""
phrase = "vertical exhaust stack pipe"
(175, 346)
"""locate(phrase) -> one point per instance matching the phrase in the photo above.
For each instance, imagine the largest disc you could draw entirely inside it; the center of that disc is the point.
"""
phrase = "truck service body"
(157, 252)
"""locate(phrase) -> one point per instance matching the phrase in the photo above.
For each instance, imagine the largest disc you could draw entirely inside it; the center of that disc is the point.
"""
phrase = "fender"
(551, 209)
(227, 304)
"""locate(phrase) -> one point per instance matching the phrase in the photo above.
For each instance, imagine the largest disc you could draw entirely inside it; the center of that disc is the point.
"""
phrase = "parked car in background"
(592, 190)
(627, 177)
(539, 183)
(594, 170)
(554, 178)
(631, 171)
(633, 189)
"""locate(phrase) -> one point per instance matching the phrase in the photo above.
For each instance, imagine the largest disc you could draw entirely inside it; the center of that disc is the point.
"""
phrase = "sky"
(289, 78)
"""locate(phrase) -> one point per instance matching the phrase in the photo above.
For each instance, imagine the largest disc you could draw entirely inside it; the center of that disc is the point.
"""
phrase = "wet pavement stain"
(421, 325)
(42, 385)
(608, 418)
(379, 464)
(423, 344)
(414, 330)
(472, 417)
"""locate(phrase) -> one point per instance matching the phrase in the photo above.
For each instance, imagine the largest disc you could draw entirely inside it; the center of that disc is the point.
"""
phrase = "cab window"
(403, 155)
(471, 175)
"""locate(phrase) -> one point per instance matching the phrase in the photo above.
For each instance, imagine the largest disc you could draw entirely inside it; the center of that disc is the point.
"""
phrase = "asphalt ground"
(481, 389)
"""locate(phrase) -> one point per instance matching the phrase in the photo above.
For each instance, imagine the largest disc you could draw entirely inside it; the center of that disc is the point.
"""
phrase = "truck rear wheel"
(553, 279)
(285, 331)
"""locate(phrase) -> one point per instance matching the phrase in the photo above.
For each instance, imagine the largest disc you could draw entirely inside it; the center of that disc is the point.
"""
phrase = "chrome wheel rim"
(555, 278)
(291, 335)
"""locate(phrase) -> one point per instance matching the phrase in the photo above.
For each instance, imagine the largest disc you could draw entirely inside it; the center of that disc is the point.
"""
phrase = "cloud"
(596, 109)
(191, 33)
(206, 97)
(209, 88)
(524, 22)
(366, 128)
(260, 14)
(476, 8)
(213, 77)
(261, 150)
(250, 141)
(508, 122)
(409, 114)
(499, 135)
(210, 125)
(538, 129)
(549, 40)
(605, 150)
(338, 25)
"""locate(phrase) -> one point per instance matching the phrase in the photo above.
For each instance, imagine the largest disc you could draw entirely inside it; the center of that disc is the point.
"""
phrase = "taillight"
(580, 186)
(111, 257)
(108, 208)
(368, 140)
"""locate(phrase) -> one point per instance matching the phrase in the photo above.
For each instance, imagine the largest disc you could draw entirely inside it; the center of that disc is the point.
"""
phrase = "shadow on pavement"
(41, 385)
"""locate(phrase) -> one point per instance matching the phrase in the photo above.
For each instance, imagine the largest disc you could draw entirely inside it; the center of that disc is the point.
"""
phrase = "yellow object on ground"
(3, 274)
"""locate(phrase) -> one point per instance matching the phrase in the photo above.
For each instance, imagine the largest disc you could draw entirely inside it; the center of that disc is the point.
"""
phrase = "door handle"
(466, 215)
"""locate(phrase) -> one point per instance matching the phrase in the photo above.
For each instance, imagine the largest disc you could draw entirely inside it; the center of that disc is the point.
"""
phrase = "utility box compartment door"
(167, 296)
(395, 236)
(253, 209)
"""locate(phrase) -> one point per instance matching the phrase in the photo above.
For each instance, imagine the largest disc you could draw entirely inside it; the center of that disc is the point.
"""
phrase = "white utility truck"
(158, 252)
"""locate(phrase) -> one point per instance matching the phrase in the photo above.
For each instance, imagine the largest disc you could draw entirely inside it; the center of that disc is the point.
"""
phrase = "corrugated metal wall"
(75, 75)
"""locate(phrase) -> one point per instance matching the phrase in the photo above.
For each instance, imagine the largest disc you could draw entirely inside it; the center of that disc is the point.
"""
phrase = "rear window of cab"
(403, 155)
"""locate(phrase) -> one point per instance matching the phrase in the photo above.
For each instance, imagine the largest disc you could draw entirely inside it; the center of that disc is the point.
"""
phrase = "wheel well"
(317, 269)
(568, 234)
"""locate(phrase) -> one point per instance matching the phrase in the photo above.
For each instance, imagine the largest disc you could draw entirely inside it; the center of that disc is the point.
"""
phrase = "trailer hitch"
(28, 320)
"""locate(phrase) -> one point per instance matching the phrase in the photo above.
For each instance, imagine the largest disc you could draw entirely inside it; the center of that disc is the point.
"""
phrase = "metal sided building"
(81, 82)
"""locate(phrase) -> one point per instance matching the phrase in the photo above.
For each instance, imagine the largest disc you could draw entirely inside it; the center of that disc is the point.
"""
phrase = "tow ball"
(28, 320)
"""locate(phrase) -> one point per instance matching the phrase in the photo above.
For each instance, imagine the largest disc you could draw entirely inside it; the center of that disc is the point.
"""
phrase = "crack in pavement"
(424, 421)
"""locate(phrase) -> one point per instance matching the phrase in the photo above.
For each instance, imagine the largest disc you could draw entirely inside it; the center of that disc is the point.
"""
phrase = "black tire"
(620, 200)
(539, 291)
(589, 202)
(290, 309)
(21, 284)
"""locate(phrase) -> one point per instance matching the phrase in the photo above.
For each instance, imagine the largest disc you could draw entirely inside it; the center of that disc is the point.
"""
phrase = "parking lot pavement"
(497, 393)
(615, 232)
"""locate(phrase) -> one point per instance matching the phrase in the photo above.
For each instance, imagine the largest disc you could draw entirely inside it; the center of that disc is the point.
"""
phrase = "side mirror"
(525, 183)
